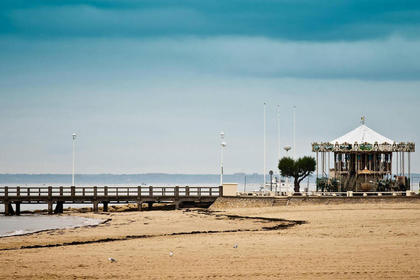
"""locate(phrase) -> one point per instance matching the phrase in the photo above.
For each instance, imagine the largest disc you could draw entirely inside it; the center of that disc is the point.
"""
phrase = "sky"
(148, 85)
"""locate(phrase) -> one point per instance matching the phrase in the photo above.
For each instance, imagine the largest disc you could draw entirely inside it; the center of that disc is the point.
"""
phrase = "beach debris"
(112, 260)
(171, 253)
(235, 246)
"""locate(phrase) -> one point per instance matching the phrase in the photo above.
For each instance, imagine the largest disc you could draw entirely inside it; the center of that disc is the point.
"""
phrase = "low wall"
(242, 202)
(249, 202)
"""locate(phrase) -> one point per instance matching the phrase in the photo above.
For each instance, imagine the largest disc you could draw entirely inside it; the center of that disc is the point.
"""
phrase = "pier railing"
(134, 192)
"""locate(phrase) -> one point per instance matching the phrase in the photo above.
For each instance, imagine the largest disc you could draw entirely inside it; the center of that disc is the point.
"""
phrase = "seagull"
(112, 260)
(235, 246)
(171, 253)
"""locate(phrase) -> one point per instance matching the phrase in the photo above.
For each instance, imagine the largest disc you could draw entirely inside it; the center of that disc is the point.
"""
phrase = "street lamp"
(294, 132)
(287, 149)
(72, 176)
(223, 145)
(271, 179)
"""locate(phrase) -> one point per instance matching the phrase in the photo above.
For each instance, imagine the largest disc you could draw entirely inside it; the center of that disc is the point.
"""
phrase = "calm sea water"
(17, 225)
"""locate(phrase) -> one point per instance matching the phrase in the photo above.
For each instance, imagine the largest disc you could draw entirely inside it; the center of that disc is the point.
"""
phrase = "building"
(363, 160)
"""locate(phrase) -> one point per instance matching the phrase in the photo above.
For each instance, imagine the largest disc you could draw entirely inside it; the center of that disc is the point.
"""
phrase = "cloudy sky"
(148, 85)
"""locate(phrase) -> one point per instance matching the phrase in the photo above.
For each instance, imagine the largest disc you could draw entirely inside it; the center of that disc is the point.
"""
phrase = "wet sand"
(349, 241)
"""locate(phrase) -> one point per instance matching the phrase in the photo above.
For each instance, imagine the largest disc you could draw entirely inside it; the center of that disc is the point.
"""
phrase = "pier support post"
(59, 207)
(139, 205)
(10, 208)
(50, 207)
(138, 193)
(178, 204)
(17, 209)
(176, 192)
(105, 203)
(95, 207)
(150, 205)
(6, 209)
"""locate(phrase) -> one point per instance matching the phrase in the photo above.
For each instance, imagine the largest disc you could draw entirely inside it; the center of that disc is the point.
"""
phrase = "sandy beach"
(347, 241)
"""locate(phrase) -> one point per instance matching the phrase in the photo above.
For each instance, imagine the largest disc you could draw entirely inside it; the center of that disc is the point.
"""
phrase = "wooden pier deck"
(58, 196)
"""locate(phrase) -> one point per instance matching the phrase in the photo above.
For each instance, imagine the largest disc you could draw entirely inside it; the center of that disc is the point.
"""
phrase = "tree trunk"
(297, 185)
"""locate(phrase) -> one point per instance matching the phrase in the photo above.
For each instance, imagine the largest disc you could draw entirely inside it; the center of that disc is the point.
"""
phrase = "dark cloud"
(245, 57)
(292, 20)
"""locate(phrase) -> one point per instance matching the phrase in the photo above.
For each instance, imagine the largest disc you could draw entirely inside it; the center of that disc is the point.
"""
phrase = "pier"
(56, 197)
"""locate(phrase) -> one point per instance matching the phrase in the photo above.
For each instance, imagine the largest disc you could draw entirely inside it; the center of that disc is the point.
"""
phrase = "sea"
(28, 223)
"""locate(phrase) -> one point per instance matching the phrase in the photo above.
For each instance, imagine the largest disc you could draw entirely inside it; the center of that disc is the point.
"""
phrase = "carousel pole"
(329, 165)
(403, 162)
(390, 168)
(409, 171)
(401, 165)
(325, 164)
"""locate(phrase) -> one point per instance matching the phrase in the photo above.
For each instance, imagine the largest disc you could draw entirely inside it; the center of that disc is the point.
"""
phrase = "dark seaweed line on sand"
(285, 224)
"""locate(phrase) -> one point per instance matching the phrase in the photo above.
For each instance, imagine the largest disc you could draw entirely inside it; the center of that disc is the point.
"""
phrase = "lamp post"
(271, 180)
(287, 149)
(278, 136)
(294, 132)
(223, 145)
(72, 175)
(278, 133)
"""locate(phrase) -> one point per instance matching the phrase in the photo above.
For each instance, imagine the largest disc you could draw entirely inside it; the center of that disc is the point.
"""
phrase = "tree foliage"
(298, 169)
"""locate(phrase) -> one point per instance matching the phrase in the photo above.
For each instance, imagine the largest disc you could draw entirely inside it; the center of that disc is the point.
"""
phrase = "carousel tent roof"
(362, 134)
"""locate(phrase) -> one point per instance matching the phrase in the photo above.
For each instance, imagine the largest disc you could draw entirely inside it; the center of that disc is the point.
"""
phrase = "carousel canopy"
(362, 134)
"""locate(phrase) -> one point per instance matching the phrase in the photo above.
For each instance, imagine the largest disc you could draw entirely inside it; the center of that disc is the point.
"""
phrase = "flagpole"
(265, 156)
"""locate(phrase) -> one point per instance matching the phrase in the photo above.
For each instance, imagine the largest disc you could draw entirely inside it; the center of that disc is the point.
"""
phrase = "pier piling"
(95, 207)
(50, 207)
(17, 212)
(139, 205)
(8, 209)
(178, 204)
(59, 208)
